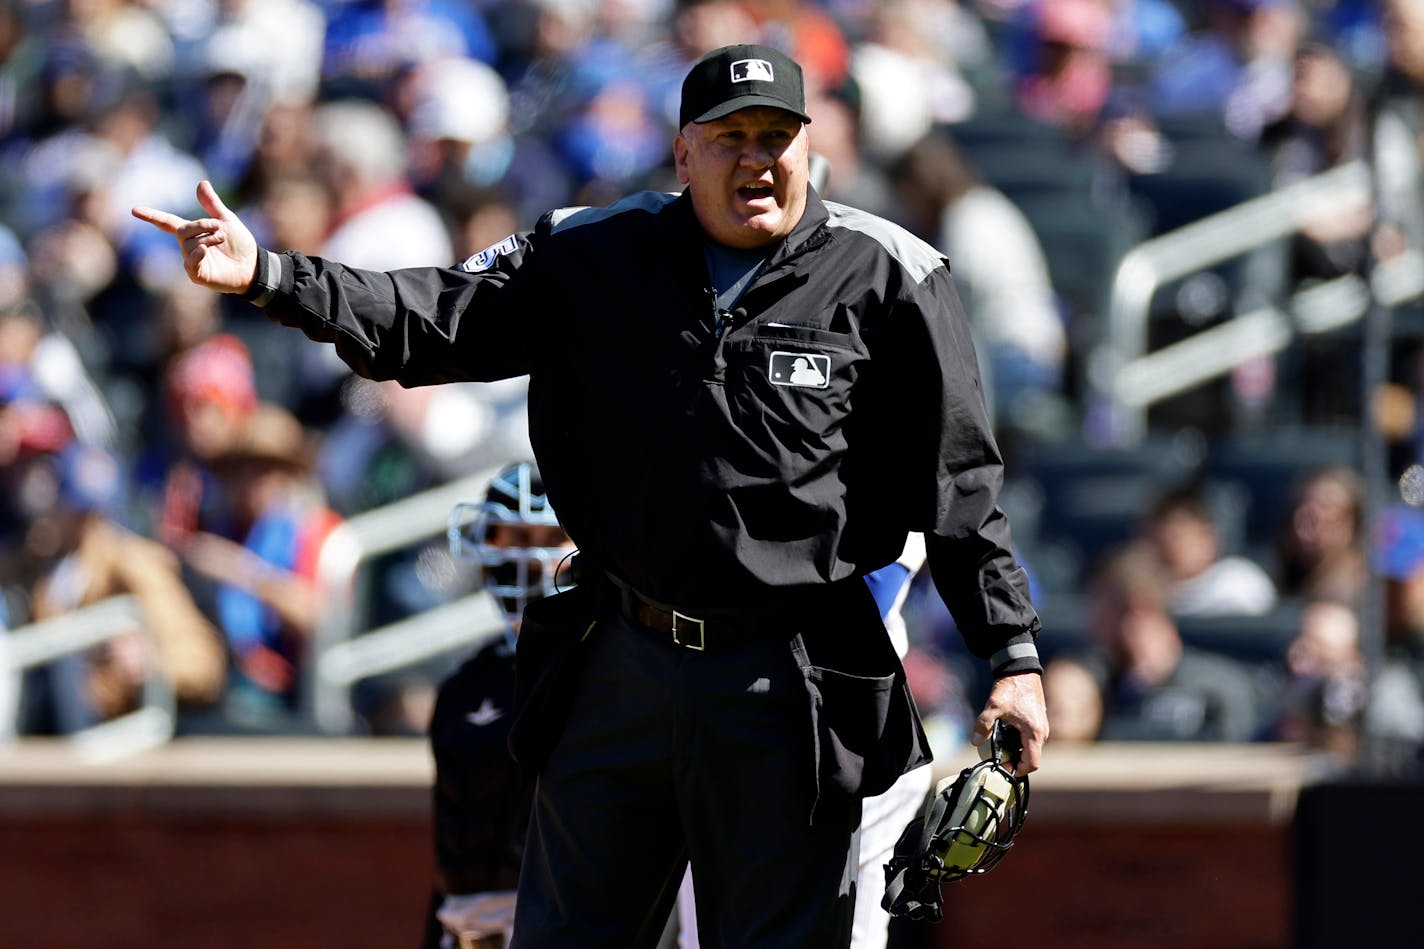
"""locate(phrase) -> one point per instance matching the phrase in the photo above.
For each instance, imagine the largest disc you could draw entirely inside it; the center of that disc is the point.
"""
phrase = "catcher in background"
(481, 803)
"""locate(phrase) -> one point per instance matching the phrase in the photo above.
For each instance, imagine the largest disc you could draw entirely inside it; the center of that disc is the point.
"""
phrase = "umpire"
(741, 397)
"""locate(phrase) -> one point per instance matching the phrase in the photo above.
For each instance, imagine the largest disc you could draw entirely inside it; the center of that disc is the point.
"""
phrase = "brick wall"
(325, 843)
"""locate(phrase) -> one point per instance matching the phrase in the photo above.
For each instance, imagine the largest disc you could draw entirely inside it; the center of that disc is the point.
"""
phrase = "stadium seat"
(1020, 170)
(1254, 640)
(1267, 464)
(1206, 176)
(987, 130)
(1065, 626)
(1094, 498)
(1083, 239)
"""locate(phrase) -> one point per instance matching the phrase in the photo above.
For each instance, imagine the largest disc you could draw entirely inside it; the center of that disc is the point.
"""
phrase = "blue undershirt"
(731, 269)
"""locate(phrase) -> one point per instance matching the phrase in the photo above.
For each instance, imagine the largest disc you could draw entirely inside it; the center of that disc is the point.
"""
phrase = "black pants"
(668, 755)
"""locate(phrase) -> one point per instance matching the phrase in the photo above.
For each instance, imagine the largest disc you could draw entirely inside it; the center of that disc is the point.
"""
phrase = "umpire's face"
(747, 173)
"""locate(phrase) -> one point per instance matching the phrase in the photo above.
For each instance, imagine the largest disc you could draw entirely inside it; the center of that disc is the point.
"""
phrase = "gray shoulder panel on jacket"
(918, 258)
(651, 201)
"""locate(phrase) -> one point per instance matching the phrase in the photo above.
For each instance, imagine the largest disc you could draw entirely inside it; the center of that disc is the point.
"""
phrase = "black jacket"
(668, 443)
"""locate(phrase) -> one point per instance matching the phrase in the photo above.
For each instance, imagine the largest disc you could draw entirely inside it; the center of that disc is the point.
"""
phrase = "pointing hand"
(219, 251)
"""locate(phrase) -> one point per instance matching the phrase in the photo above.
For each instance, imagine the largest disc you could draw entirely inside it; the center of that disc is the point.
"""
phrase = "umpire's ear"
(682, 147)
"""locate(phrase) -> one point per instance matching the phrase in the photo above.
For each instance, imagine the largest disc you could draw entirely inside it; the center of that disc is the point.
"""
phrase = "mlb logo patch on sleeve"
(804, 370)
(746, 70)
(485, 259)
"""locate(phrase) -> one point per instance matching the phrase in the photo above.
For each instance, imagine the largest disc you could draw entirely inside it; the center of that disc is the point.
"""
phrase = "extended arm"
(955, 503)
(419, 326)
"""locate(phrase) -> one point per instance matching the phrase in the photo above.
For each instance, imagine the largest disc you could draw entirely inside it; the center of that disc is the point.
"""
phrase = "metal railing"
(1130, 379)
(461, 624)
(38, 644)
(341, 654)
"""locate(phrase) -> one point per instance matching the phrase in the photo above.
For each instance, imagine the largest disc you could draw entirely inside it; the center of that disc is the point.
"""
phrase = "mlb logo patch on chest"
(803, 370)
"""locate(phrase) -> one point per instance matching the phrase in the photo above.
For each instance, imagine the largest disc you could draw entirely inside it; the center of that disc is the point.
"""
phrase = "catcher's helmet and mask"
(515, 537)
(968, 824)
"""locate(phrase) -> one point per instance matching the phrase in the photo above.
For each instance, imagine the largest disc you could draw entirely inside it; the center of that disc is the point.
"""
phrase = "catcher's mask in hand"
(968, 824)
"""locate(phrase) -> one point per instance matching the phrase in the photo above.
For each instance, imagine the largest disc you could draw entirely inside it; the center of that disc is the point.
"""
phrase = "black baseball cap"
(737, 77)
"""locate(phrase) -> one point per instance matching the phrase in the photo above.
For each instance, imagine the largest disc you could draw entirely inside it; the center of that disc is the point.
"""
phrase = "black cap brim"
(724, 109)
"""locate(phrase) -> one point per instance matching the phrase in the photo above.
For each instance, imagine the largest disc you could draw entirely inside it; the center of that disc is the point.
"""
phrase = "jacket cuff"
(1019, 654)
(267, 279)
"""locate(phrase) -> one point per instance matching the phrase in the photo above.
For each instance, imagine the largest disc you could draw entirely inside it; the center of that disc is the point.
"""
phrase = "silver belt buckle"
(691, 621)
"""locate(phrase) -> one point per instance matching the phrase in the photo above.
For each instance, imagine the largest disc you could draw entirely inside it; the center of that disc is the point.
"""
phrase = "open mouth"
(754, 191)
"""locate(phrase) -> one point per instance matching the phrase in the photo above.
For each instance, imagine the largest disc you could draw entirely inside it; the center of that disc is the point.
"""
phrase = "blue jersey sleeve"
(885, 585)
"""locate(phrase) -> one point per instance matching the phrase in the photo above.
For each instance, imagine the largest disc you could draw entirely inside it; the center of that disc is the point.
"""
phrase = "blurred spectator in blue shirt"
(1397, 552)
(268, 601)
(31, 425)
(1395, 716)
(1354, 28)
(374, 40)
(1140, 31)
(36, 157)
(1239, 67)
(613, 142)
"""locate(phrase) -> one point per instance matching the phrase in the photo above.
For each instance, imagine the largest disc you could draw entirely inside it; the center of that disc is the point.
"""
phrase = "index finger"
(159, 219)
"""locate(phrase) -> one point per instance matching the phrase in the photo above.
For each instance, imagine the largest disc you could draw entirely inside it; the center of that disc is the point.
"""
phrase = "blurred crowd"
(164, 442)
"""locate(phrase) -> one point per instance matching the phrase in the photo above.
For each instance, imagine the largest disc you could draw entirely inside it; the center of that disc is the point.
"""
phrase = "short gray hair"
(364, 137)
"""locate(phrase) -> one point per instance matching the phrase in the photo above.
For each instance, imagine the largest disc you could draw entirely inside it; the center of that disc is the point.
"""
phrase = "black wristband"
(264, 279)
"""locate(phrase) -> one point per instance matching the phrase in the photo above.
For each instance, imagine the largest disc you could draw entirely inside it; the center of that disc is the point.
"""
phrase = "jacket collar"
(809, 231)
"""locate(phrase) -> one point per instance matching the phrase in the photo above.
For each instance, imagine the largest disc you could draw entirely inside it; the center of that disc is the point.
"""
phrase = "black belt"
(690, 632)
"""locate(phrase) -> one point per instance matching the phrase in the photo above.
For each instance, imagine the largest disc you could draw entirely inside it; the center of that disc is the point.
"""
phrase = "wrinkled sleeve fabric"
(955, 472)
(419, 326)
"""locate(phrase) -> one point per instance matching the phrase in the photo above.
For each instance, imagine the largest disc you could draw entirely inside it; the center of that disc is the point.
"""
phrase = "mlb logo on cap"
(744, 70)
(742, 77)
